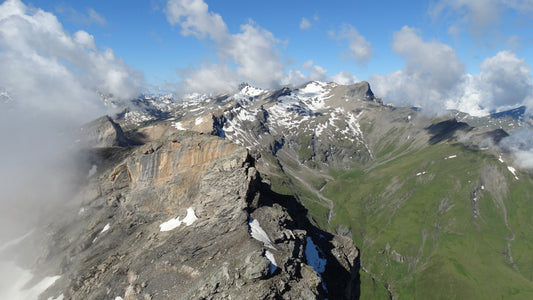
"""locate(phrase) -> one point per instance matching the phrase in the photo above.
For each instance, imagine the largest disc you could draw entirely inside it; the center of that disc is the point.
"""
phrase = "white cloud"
(209, 79)
(360, 48)
(308, 71)
(433, 78)
(504, 83)
(344, 78)
(505, 80)
(305, 24)
(253, 50)
(194, 18)
(431, 74)
(43, 65)
(52, 80)
(520, 144)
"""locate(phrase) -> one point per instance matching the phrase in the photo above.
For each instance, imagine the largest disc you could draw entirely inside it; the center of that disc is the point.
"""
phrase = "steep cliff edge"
(188, 217)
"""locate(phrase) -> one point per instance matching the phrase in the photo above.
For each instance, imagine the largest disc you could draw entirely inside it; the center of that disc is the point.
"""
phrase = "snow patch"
(259, 234)
(136, 117)
(198, 121)
(501, 159)
(513, 171)
(106, 228)
(451, 156)
(421, 173)
(272, 259)
(314, 95)
(60, 297)
(170, 224)
(251, 91)
(176, 222)
(320, 128)
(190, 217)
(178, 126)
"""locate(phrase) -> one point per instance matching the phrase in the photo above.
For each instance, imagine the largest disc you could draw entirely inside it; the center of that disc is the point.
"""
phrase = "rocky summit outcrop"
(103, 132)
(187, 216)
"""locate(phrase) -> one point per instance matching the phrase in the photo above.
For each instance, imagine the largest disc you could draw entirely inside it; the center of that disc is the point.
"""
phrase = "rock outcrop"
(188, 217)
(103, 132)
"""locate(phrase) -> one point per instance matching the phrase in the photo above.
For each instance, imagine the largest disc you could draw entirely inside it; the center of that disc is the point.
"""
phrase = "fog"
(51, 83)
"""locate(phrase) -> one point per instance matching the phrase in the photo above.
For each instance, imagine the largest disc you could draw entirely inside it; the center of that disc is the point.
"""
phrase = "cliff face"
(188, 217)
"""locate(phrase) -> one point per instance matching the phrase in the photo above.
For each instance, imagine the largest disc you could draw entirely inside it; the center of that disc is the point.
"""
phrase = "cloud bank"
(435, 79)
(51, 83)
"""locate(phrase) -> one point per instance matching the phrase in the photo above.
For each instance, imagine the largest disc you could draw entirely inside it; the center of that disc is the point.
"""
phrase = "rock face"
(188, 217)
(103, 132)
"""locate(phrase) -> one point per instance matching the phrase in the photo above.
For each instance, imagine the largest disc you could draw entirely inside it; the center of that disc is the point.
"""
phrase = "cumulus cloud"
(360, 48)
(432, 72)
(195, 18)
(253, 50)
(344, 78)
(40, 58)
(51, 82)
(308, 71)
(305, 24)
(505, 81)
(435, 79)
(209, 78)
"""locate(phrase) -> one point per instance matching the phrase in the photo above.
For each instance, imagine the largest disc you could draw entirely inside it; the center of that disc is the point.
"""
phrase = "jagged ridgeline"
(263, 194)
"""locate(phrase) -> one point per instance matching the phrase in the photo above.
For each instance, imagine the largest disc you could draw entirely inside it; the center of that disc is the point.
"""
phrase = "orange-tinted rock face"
(187, 155)
(168, 176)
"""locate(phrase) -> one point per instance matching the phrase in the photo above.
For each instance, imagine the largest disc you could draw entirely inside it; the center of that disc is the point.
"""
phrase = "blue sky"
(139, 33)
(400, 47)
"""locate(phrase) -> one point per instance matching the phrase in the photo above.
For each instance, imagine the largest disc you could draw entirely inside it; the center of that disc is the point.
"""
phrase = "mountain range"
(320, 191)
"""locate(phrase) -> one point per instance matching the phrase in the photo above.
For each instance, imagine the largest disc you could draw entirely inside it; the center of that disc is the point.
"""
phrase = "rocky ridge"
(178, 218)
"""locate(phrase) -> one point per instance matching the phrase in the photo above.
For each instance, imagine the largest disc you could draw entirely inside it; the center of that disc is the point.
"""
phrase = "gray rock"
(111, 243)
(103, 132)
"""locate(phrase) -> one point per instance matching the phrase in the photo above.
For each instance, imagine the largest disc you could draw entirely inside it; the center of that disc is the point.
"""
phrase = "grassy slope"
(428, 224)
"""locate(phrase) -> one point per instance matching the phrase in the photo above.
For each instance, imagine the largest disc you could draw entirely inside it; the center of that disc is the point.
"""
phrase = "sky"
(474, 56)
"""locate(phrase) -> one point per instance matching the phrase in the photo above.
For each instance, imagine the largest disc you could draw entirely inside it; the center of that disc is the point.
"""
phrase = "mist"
(52, 82)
